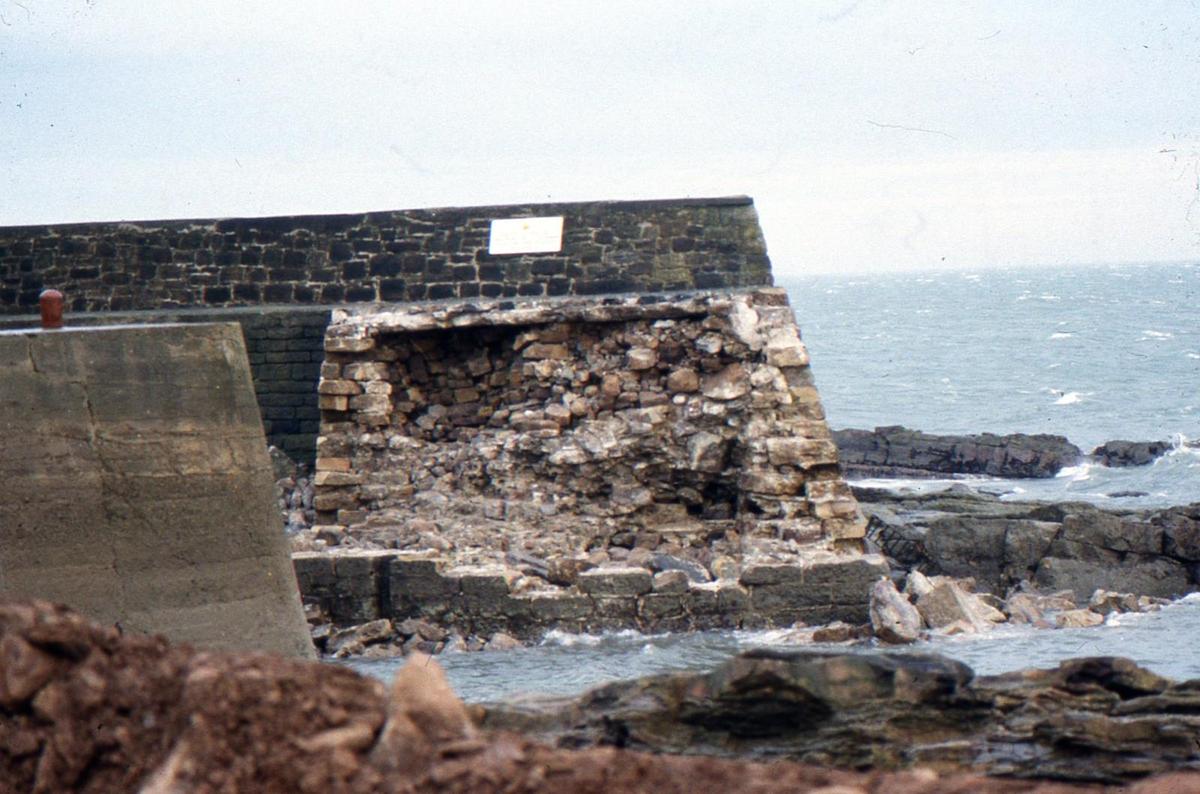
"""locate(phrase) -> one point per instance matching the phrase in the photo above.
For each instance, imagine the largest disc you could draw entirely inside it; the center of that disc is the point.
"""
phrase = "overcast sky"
(873, 135)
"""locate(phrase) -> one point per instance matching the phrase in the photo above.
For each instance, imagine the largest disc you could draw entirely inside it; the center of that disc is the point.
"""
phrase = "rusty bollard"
(51, 303)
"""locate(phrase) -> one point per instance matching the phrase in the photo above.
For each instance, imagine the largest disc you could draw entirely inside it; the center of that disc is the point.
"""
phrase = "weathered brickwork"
(406, 255)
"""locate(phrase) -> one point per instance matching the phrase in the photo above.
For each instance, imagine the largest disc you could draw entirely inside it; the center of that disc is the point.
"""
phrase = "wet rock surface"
(85, 709)
(1005, 545)
(896, 451)
(1101, 720)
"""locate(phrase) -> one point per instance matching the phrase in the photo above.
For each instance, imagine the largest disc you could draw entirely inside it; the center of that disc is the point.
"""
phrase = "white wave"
(1076, 473)
(1070, 398)
(567, 639)
(1193, 355)
(1151, 334)
(1049, 296)
(1061, 335)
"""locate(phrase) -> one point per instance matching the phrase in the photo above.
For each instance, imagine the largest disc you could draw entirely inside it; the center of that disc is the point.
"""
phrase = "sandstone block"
(801, 452)
(336, 478)
(671, 582)
(641, 358)
(1078, 619)
(893, 618)
(348, 344)
(339, 387)
(371, 403)
(730, 383)
(333, 402)
(365, 370)
(539, 351)
(608, 582)
(683, 381)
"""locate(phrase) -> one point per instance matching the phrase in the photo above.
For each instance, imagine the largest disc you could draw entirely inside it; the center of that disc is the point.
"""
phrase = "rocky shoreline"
(895, 451)
(84, 708)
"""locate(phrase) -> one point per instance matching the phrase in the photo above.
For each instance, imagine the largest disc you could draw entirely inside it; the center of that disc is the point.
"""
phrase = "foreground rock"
(1103, 720)
(83, 708)
(1051, 547)
(896, 451)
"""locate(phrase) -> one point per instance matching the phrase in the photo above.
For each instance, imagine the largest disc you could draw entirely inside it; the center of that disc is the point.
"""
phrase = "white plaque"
(525, 235)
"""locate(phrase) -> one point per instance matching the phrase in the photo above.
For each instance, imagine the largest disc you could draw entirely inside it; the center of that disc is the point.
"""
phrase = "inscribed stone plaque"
(526, 235)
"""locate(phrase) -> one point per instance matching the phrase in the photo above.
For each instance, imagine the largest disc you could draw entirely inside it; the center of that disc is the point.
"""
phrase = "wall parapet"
(393, 256)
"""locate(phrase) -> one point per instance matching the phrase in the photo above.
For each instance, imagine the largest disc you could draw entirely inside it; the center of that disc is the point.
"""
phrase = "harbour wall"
(278, 277)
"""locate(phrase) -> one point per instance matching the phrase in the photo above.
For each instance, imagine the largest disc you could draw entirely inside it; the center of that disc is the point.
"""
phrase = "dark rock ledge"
(896, 451)
(1100, 719)
(1004, 545)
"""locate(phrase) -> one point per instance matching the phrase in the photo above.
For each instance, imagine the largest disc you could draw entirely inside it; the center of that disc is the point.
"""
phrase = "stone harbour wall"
(395, 256)
(361, 586)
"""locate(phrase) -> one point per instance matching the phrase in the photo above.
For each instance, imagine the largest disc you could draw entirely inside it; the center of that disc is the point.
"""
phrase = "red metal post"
(51, 302)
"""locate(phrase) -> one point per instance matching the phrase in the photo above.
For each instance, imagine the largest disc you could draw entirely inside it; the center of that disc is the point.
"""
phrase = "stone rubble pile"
(588, 464)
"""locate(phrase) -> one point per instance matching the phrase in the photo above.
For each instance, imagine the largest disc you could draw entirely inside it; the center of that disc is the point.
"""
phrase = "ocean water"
(567, 664)
(1090, 353)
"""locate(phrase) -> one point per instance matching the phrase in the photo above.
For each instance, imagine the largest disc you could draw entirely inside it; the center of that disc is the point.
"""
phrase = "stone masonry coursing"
(394, 256)
(681, 432)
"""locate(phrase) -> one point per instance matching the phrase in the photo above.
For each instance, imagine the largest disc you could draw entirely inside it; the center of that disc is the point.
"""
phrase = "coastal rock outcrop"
(1101, 719)
(896, 451)
(1066, 546)
(1129, 453)
(84, 708)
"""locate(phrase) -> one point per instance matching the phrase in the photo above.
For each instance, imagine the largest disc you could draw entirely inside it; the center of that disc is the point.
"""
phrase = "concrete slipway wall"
(137, 485)
(278, 277)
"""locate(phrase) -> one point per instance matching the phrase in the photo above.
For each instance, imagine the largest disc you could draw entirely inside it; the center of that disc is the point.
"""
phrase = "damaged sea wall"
(596, 439)
(137, 487)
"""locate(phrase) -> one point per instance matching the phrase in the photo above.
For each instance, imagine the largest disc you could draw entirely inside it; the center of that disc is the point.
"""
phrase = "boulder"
(948, 603)
(1129, 453)
(893, 619)
(1078, 619)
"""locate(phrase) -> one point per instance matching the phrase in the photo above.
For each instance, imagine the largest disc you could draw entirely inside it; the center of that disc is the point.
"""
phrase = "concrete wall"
(285, 348)
(137, 487)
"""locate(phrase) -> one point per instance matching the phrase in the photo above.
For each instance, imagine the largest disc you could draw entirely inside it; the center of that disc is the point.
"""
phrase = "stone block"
(539, 351)
(333, 402)
(620, 582)
(730, 383)
(336, 478)
(802, 452)
(658, 606)
(348, 344)
(339, 387)
(365, 370)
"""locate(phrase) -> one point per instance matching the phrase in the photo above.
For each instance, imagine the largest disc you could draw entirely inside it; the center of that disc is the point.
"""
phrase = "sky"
(874, 135)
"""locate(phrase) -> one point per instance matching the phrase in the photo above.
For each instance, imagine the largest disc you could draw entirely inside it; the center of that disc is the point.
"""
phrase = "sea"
(1094, 353)
(1090, 353)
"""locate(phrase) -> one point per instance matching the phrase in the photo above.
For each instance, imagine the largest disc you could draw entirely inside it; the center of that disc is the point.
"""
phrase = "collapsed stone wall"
(579, 433)
(402, 255)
